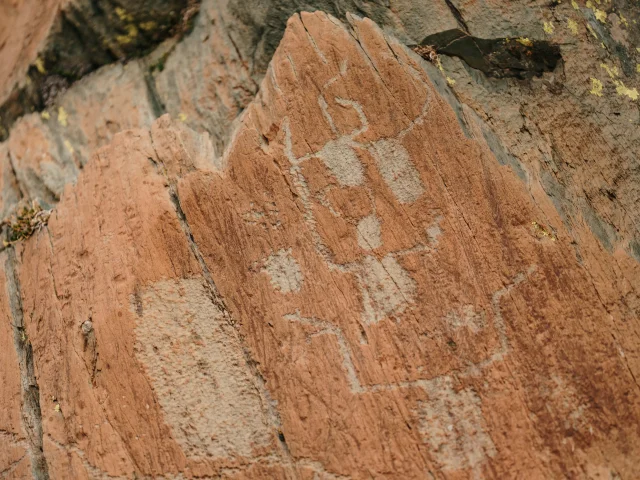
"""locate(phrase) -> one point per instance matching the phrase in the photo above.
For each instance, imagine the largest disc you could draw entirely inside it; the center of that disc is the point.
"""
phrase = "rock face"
(336, 260)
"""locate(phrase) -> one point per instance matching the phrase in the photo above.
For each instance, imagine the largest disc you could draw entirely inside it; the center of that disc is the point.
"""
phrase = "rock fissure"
(258, 380)
(31, 413)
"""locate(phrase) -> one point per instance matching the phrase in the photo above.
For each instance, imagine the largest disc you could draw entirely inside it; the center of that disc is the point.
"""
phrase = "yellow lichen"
(182, 117)
(573, 26)
(575, 5)
(596, 87)
(638, 67)
(45, 115)
(451, 81)
(548, 28)
(40, 65)
(623, 90)
(123, 15)
(601, 15)
(62, 116)
(612, 71)
(57, 407)
(623, 20)
(70, 148)
(132, 33)
(540, 231)
(524, 41)
(592, 31)
(146, 26)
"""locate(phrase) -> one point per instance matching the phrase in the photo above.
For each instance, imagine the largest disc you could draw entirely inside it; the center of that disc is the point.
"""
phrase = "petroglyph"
(369, 233)
(284, 271)
(434, 231)
(466, 317)
(453, 425)
(323, 327)
(396, 168)
(341, 159)
(452, 422)
(196, 366)
(388, 288)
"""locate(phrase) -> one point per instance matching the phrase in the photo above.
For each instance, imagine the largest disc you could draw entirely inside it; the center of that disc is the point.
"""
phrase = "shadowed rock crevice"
(31, 413)
(87, 35)
(497, 57)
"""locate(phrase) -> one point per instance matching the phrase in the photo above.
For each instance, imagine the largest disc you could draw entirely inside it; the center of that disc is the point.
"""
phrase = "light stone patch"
(196, 366)
(369, 233)
(399, 173)
(434, 231)
(339, 157)
(453, 426)
(466, 317)
(388, 288)
(284, 271)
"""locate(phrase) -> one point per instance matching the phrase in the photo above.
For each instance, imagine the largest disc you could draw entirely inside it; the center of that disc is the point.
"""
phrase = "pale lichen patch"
(596, 87)
(623, 90)
(39, 64)
(573, 26)
(69, 147)
(611, 71)
(132, 33)
(147, 26)
(123, 15)
(62, 116)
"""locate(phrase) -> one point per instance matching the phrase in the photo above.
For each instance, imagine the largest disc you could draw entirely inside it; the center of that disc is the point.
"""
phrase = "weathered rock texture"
(65, 40)
(337, 260)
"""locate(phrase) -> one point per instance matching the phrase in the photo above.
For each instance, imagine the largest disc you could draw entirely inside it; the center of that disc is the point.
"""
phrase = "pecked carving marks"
(198, 371)
(342, 161)
(452, 424)
(369, 233)
(388, 288)
(399, 173)
(284, 271)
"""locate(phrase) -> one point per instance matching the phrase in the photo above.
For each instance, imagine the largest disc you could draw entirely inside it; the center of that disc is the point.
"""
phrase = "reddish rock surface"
(367, 274)
(24, 24)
